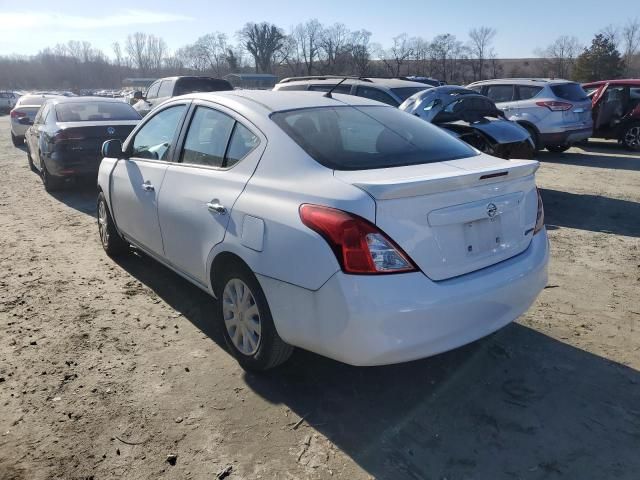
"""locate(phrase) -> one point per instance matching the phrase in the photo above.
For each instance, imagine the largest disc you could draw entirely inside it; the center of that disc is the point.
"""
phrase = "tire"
(558, 148)
(631, 137)
(110, 239)
(17, 141)
(51, 184)
(246, 323)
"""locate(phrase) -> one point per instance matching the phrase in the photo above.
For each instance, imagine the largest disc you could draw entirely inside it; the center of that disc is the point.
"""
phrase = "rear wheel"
(558, 148)
(110, 239)
(631, 137)
(17, 141)
(51, 184)
(247, 324)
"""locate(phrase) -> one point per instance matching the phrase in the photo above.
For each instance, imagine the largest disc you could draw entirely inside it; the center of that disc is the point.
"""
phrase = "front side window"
(500, 93)
(207, 138)
(166, 89)
(366, 137)
(153, 140)
(153, 90)
(375, 94)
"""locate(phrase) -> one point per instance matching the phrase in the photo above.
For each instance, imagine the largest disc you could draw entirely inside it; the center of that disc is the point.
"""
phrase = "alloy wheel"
(241, 317)
(102, 224)
(632, 137)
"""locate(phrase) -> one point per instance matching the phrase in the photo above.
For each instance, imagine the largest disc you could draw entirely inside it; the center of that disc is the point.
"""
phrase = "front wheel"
(110, 239)
(248, 327)
(558, 148)
(631, 137)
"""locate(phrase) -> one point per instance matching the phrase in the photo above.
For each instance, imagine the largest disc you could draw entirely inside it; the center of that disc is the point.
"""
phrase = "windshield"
(191, 85)
(95, 111)
(359, 138)
(569, 91)
(406, 92)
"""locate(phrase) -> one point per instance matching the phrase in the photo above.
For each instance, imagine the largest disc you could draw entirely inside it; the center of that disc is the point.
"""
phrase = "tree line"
(311, 48)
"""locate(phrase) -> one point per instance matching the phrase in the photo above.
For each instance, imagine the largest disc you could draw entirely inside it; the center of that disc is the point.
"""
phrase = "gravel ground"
(107, 368)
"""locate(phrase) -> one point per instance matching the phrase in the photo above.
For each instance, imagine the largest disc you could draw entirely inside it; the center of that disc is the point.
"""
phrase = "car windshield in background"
(569, 91)
(95, 112)
(406, 92)
(192, 85)
(360, 138)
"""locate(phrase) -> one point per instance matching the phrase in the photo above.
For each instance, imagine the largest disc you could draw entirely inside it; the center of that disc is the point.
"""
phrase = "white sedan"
(330, 223)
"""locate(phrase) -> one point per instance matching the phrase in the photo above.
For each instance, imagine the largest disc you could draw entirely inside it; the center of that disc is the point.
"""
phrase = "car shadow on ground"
(81, 195)
(517, 404)
(596, 154)
(591, 212)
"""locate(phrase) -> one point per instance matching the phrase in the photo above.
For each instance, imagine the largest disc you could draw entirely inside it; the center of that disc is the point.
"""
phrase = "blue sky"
(27, 27)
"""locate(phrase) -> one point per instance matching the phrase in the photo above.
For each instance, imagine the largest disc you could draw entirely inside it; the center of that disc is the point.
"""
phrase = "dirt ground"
(106, 367)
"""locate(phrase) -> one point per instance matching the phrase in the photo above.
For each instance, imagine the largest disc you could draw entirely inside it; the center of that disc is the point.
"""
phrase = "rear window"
(32, 100)
(95, 112)
(360, 138)
(191, 85)
(569, 91)
(406, 92)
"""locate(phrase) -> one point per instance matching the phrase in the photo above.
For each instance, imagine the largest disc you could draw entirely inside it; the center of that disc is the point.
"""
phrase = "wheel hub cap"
(241, 316)
(632, 137)
(102, 223)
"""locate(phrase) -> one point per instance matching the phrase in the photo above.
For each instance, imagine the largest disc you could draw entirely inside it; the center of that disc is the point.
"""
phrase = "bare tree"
(308, 37)
(395, 57)
(630, 43)
(156, 51)
(213, 49)
(334, 43)
(480, 40)
(612, 34)
(137, 50)
(117, 53)
(262, 41)
(561, 55)
(446, 53)
(360, 52)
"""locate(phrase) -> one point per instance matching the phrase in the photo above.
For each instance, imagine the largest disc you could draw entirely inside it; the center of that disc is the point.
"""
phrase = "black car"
(66, 137)
(473, 118)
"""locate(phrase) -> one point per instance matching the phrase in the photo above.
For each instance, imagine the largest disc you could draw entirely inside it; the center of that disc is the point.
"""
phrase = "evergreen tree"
(600, 61)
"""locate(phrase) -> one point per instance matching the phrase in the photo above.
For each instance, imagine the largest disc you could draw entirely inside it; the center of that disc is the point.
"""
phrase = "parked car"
(473, 118)
(392, 91)
(557, 113)
(165, 88)
(67, 134)
(23, 114)
(8, 100)
(616, 110)
(335, 224)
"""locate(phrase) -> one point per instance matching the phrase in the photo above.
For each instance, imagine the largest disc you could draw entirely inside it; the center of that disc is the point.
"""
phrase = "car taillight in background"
(555, 106)
(359, 246)
(17, 114)
(540, 215)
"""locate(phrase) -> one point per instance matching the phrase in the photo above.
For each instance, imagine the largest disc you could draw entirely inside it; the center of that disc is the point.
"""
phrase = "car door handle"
(217, 208)
(147, 187)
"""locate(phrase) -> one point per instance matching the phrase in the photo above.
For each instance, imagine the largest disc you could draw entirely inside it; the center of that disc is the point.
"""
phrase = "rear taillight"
(63, 136)
(360, 247)
(17, 114)
(555, 106)
(540, 215)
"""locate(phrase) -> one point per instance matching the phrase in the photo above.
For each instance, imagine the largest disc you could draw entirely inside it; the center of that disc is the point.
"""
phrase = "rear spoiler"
(409, 182)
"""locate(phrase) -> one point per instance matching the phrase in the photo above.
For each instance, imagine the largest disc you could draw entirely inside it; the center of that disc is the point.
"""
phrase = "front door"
(218, 157)
(136, 181)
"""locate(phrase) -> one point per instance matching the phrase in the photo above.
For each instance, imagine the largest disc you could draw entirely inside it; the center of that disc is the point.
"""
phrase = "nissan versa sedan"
(67, 133)
(332, 223)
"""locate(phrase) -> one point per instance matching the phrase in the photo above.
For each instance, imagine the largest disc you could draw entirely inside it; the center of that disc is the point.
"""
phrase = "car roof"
(524, 81)
(332, 80)
(56, 100)
(279, 100)
(634, 82)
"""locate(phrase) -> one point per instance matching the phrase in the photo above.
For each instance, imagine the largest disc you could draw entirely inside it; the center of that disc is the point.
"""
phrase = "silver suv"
(557, 113)
(392, 91)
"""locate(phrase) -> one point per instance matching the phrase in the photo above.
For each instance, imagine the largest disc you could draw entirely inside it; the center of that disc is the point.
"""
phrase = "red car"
(616, 110)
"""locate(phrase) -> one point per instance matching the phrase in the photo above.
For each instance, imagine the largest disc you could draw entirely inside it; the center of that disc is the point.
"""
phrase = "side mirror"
(137, 95)
(112, 149)
(25, 121)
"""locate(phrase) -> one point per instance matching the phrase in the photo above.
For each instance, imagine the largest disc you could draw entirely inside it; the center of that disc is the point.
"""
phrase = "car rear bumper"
(18, 129)
(73, 165)
(568, 137)
(377, 320)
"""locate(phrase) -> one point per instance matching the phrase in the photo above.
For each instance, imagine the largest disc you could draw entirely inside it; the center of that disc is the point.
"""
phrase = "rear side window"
(191, 85)
(525, 92)
(95, 112)
(500, 93)
(569, 91)
(242, 142)
(359, 138)
(166, 89)
(406, 92)
(153, 90)
(207, 138)
(346, 89)
(375, 94)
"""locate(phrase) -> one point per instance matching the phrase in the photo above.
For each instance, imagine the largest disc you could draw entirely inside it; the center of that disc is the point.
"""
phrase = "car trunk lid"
(454, 217)
(86, 138)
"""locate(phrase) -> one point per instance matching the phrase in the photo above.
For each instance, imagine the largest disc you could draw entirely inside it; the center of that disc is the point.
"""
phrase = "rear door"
(220, 151)
(503, 95)
(136, 181)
